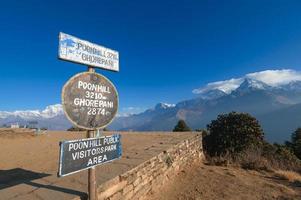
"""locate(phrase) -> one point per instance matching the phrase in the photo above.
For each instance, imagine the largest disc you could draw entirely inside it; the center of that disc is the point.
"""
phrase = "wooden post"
(92, 171)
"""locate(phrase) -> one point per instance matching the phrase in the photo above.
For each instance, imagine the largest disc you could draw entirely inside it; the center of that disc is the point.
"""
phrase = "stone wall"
(137, 182)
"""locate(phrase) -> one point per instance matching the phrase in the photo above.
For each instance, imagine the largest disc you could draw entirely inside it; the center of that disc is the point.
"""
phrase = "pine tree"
(296, 142)
(181, 126)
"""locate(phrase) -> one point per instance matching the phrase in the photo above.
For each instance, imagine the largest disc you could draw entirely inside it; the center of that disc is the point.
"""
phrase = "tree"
(181, 126)
(232, 133)
(295, 144)
(74, 128)
(296, 136)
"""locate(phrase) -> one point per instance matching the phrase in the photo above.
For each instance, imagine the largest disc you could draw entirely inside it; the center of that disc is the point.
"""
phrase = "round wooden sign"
(90, 100)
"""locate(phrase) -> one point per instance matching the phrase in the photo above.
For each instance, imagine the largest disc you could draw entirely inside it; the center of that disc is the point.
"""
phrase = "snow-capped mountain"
(292, 86)
(251, 85)
(272, 96)
(164, 106)
(261, 94)
(267, 79)
(212, 94)
(49, 112)
(52, 117)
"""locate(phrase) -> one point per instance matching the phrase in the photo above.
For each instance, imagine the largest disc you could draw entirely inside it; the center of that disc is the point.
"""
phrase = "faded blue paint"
(68, 42)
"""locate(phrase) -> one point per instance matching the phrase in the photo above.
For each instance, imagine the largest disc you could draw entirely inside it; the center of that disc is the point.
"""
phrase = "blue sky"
(167, 48)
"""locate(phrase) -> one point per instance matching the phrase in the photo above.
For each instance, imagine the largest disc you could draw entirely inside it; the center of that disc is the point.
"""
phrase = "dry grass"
(257, 159)
(288, 175)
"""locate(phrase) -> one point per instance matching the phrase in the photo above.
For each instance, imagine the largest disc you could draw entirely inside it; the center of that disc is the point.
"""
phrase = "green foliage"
(232, 133)
(204, 132)
(295, 144)
(181, 126)
(296, 136)
(237, 138)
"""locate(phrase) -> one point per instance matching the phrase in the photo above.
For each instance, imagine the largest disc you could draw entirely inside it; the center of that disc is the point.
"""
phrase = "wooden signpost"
(90, 101)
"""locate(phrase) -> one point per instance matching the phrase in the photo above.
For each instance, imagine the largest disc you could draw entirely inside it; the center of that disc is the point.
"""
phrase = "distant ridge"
(272, 96)
(267, 95)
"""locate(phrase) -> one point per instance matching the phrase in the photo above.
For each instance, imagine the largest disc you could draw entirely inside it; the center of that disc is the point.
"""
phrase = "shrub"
(281, 157)
(267, 157)
(289, 175)
(237, 139)
(295, 144)
(232, 133)
(181, 126)
(73, 128)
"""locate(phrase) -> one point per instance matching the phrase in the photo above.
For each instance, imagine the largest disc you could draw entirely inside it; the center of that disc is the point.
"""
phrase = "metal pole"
(92, 171)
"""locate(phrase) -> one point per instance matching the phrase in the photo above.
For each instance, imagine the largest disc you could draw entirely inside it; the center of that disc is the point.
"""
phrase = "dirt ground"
(29, 163)
(203, 182)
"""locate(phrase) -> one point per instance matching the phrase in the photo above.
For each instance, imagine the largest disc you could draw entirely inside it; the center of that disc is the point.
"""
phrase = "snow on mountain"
(49, 112)
(276, 78)
(165, 105)
(258, 80)
(52, 111)
(292, 86)
(212, 94)
(251, 84)
(226, 86)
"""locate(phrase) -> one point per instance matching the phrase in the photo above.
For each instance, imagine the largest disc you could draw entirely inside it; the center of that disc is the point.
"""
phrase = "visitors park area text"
(77, 155)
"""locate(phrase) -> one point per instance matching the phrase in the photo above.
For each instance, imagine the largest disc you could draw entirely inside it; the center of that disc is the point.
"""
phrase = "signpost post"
(92, 172)
(90, 101)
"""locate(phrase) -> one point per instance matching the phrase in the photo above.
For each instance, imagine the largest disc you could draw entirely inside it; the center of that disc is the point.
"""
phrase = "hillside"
(228, 183)
(280, 122)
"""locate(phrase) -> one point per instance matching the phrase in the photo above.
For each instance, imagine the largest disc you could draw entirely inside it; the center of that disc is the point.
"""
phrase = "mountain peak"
(49, 112)
(293, 86)
(212, 94)
(52, 111)
(257, 80)
(164, 106)
(252, 84)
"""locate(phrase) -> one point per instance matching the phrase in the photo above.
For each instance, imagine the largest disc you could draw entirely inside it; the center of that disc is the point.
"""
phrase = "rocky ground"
(29, 162)
(199, 182)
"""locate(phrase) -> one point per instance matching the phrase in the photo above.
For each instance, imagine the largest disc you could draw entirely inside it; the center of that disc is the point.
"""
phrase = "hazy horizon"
(166, 51)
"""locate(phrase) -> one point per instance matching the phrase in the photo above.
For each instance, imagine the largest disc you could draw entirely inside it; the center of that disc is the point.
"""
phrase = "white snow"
(48, 112)
(167, 105)
(273, 78)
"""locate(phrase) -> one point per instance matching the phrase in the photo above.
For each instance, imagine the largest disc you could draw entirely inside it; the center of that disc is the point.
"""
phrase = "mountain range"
(273, 97)
(52, 118)
(277, 108)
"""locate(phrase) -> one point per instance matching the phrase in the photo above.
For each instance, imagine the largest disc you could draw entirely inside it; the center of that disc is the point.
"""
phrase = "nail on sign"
(90, 100)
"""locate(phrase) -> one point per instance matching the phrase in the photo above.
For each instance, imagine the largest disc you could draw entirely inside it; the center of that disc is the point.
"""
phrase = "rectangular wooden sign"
(80, 51)
(77, 155)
